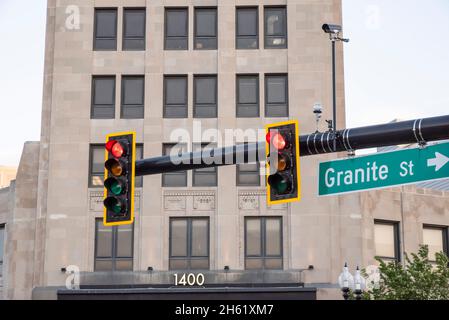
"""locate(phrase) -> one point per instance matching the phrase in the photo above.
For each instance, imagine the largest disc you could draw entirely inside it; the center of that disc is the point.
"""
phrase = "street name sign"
(383, 170)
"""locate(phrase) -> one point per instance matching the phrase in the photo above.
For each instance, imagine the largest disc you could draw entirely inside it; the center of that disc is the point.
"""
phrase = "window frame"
(122, 96)
(114, 247)
(263, 241)
(97, 9)
(164, 111)
(238, 173)
(285, 36)
(195, 104)
(144, 9)
(195, 28)
(237, 96)
(287, 102)
(237, 36)
(445, 234)
(397, 239)
(184, 173)
(166, 10)
(188, 256)
(93, 94)
(91, 154)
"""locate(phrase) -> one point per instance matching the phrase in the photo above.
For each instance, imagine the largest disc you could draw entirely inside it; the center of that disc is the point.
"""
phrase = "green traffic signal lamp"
(116, 186)
(115, 205)
(280, 183)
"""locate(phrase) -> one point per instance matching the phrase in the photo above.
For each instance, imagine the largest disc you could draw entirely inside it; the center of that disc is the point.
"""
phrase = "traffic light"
(119, 174)
(283, 167)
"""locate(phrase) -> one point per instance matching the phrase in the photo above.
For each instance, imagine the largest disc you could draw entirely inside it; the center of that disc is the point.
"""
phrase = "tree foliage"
(417, 279)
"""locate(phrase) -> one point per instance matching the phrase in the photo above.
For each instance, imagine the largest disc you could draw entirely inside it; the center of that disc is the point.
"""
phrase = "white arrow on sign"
(438, 162)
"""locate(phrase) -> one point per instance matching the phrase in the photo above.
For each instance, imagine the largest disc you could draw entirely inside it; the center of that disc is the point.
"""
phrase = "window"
(174, 179)
(133, 97)
(247, 36)
(248, 96)
(175, 97)
(205, 105)
(105, 28)
(113, 247)
(436, 238)
(96, 175)
(134, 29)
(248, 175)
(276, 96)
(103, 97)
(206, 177)
(189, 244)
(386, 239)
(263, 243)
(205, 28)
(96, 165)
(275, 27)
(2, 247)
(176, 28)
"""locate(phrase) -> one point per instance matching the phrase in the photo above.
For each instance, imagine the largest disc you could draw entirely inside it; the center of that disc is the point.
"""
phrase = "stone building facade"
(49, 214)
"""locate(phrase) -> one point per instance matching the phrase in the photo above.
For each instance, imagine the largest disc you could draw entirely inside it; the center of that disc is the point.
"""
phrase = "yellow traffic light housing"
(283, 166)
(119, 175)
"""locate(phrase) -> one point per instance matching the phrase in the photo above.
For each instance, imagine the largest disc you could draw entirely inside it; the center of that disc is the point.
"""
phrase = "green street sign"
(384, 170)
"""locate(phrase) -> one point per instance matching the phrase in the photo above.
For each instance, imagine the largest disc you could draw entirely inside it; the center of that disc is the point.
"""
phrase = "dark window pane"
(205, 97)
(205, 28)
(200, 233)
(134, 29)
(179, 264)
(248, 175)
(199, 264)
(103, 98)
(176, 29)
(175, 97)
(178, 238)
(273, 237)
(254, 264)
(247, 28)
(105, 29)
(124, 265)
(253, 237)
(124, 241)
(133, 96)
(174, 179)
(103, 265)
(247, 96)
(275, 28)
(273, 264)
(104, 240)
(96, 166)
(276, 96)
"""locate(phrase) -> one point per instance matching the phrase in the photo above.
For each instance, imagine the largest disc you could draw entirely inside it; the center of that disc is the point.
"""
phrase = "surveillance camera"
(317, 108)
(332, 28)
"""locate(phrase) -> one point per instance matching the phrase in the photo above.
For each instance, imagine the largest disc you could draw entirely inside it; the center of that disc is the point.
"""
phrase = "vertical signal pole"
(119, 175)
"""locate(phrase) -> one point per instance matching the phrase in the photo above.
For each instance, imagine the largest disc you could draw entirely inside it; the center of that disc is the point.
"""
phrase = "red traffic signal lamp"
(283, 166)
(119, 178)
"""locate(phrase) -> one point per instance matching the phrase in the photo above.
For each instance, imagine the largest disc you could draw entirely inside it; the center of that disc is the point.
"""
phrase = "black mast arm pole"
(407, 132)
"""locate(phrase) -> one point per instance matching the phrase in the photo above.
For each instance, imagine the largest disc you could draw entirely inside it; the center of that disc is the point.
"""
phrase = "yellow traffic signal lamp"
(283, 167)
(119, 179)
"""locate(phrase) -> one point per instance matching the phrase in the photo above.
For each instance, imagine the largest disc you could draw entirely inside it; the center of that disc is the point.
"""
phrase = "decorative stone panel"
(196, 201)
